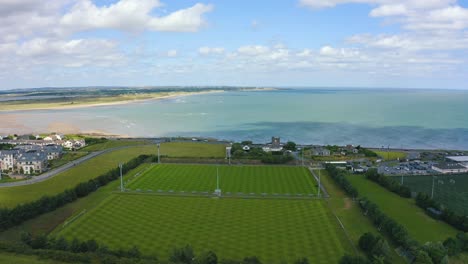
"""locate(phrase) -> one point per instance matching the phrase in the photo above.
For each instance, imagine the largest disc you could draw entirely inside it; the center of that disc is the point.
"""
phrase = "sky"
(284, 43)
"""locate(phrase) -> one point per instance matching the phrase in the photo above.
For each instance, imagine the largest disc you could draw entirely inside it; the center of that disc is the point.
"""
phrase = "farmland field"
(273, 229)
(390, 155)
(403, 210)
(193, 150)
(449, 190)
(233, 179)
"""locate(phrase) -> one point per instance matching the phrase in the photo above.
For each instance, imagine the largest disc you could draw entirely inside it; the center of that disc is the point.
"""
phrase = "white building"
(446, 168)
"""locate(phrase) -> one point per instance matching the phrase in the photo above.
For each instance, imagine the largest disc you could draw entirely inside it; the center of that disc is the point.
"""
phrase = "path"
(49, 174)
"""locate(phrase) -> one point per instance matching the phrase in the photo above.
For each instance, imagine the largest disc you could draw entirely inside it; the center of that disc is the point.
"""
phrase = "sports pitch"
(275, 230)
(272, 229)
(259, 180)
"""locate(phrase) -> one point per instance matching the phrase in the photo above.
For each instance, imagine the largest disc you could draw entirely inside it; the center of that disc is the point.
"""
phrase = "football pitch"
(249, 180)
(275, 230)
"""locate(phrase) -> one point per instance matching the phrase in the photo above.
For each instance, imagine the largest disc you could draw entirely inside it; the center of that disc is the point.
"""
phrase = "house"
(357, 168)
(320, 151)
(446, 167)
(274, 146)
(246, 148)
(53, 151)
(352, 149)
(32, 162)
(54, 137)
(8, 159)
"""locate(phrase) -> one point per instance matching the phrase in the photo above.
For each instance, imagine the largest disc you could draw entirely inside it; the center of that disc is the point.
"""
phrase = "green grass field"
(11, 196)
(113, 144)
(24, 259)
(233, 179)
(390, 155)
(273, 230)
(193, 150)
(349, 213)
(67, 157)
(420, 226)
(449, 190)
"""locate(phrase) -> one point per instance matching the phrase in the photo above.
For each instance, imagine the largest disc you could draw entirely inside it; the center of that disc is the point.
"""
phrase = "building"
(320, 151)
(446, 167)
(274, 146)
(246, 148)
(31, 162)
(462, 160)
(8, 159)
(53, 151)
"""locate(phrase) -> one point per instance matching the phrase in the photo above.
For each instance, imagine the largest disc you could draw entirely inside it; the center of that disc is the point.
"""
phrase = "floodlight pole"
(302, 151)
(121, 178)
(217, 178)
(159, 157)
(318, 194)
(433, 182)
(402, 180)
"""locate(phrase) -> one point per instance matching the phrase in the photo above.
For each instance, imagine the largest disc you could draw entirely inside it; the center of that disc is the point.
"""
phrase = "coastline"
(31, 107)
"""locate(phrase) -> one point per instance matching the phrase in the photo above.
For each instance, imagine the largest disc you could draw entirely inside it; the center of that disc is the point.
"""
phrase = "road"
(65, 167)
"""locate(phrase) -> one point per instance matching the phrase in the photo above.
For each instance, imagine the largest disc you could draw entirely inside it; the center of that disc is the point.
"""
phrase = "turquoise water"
(395, 118)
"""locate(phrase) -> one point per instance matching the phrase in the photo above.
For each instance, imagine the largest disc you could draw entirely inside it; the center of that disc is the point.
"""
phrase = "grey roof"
(458, 158)
(9, 152)
(449, 166)
(32, 156)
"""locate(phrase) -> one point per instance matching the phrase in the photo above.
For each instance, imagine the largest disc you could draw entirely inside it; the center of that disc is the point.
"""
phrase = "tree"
(347, 259)
(301, 261)
(207, 258)
(251, 260)
(39, 241)
(421, 257)
(290, 146)
(247, 142)
(182, 255)
(60, 244)
(26, 238)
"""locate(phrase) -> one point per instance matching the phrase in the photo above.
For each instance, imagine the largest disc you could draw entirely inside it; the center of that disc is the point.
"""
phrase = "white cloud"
(171, 53)
(389, 10)
(210, 50)
(253, 50)
(134, 16)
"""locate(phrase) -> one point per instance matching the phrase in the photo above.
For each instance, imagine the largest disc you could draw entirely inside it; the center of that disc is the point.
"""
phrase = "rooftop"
(458, 158)
(449, 166)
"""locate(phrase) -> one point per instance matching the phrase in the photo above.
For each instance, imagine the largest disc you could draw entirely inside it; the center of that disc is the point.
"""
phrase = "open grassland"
(449, 190)
(23, 259)
(193, 150)
(113, 144)
(390, 155)
(67, 157)
(420, 226)
(273, 230)
(349, 213)
(11, 196)
(232, 179)
(45, 223)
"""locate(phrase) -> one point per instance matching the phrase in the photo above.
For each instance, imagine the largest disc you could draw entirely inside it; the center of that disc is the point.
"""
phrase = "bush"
(339, 177)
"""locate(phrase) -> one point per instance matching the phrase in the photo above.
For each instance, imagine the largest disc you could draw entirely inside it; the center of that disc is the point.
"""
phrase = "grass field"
(390, 155)
(193, 150)
(233, 179)
(113, 144)
(449, 190)
(420, 226)
(273, 230)
(23, 259)
(67, 157)
(11, 196)
(349, 213)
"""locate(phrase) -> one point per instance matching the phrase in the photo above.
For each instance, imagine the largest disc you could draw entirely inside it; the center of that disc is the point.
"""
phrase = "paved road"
(60, 169)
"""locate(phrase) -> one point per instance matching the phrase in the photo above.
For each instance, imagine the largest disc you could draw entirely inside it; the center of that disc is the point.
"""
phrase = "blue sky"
(308, 43)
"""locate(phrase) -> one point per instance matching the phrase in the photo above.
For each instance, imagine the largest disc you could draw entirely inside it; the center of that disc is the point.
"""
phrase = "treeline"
(376, 249)
(388, 183)
(92, 140)
(459, 222)
(90, 251)
(257, 153)
(423, 200)
(339, 177)
(10, 217)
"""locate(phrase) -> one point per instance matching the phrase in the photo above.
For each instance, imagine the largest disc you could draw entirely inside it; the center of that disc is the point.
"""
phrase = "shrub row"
(10, 217)
(388, 183)
(339, 177)
(460, 222)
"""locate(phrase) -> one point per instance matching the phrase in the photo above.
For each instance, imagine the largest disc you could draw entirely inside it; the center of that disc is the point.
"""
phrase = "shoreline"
(122, 102)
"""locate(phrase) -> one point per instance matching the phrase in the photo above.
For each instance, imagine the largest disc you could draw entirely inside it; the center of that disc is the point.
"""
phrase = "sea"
(395, 118)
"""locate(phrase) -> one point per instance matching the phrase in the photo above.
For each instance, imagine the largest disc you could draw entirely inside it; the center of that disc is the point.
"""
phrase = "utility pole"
(402, 179)
(121, 178)
(433, 182)
(318, 194)
(302, 151)
(159, 157)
